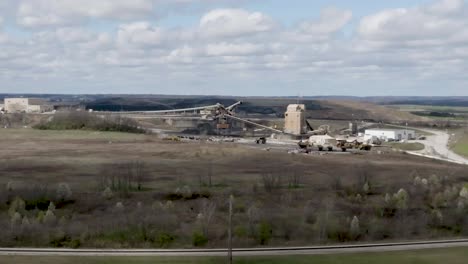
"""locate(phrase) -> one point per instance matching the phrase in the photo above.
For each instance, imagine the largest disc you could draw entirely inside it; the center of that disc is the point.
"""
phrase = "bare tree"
(271, 182)
(294, 179)
(207, 210)
(124, 177)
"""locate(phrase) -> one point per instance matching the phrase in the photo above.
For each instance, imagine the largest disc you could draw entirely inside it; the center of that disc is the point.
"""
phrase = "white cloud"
(230, 47)
(331, 20)
(36, 13)
(140, 33)
(448, 7)
(234, 22)
(40, 13)
(427, 25)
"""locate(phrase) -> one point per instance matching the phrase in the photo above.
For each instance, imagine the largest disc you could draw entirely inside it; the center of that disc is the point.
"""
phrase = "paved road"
(436, 146)
(240, 252)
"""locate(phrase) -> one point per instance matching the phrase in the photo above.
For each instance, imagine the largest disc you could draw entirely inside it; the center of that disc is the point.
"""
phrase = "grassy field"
(453, 112)
(460, 146)
(432, 256)
(138, 191)
(33, 134)
(409, 108)
(407, 146)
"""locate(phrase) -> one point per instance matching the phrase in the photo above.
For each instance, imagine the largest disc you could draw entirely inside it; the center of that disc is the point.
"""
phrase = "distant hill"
(318, 107)
(259, 106)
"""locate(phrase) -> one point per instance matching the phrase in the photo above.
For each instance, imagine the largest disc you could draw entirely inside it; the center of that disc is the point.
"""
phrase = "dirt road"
(283, 251)
(436, 146)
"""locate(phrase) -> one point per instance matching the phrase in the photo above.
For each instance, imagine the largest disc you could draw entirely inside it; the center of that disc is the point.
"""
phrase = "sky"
(235, 47)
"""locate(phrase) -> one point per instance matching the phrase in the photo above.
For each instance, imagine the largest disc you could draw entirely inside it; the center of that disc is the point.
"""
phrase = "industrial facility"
(27, 105)
(389, 134)
(295, 119)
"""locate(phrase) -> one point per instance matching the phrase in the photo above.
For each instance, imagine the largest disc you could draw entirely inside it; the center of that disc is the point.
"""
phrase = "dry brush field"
(101, 189)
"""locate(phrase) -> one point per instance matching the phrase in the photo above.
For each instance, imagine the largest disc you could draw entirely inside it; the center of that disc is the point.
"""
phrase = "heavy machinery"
(355, 144)
(322, 142)
(261, 140)
(222, 115)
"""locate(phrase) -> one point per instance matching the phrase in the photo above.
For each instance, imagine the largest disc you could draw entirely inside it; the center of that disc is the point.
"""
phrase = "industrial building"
(295, 119)
(389, 134)
(27, 105)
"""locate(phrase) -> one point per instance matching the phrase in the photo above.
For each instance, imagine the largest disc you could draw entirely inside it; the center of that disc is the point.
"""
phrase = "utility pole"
(231, 201)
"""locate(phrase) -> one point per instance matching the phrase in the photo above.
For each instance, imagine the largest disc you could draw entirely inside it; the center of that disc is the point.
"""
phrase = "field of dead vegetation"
(108, 189)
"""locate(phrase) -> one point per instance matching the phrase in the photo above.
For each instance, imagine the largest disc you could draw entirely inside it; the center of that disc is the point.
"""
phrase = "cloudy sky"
(235, 47)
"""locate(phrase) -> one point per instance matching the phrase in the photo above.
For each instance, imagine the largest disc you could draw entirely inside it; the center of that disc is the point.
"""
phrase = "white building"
(27, 105)
(389, 134)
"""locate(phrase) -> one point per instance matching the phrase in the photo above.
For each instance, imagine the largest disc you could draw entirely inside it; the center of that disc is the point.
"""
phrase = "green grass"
(460, 109)
(461, 145)
(29, 133)
(427, 256)
(407, 146)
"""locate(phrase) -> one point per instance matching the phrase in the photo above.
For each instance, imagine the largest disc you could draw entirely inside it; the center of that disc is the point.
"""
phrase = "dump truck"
(344, 145)
(322, 142)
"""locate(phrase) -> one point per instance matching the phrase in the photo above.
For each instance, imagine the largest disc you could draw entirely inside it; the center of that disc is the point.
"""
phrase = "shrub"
(439, 200)
(355, 229)
(119, 207)
(388, 199)
(49, 218)
(16, 220)
(434, 181)
(401, 199)
(40, 216)
(75, 243)
(107, 193)
(51, 207)
(25, 224)
(17, 205)
(199, 239)
(60, 239)
(240, 231)
(464, 192)
(265, 232)
(165, 239)
(366, 188)
(417, 181)
(64, 192)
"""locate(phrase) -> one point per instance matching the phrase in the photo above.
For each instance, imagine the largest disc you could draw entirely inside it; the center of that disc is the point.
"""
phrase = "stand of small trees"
(79, 120)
